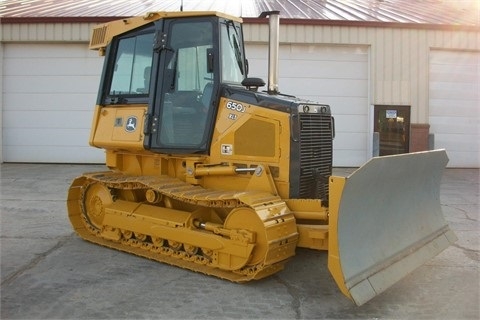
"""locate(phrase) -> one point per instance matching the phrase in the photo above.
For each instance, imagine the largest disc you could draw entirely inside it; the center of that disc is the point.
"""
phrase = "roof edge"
(25, 20)
(371, 24)
(248, 20)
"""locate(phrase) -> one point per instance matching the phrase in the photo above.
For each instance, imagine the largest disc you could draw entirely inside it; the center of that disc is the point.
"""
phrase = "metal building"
(400, 75)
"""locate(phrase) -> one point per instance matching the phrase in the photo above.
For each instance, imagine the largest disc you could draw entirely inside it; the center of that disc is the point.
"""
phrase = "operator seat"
(146, 78)
(207, 95)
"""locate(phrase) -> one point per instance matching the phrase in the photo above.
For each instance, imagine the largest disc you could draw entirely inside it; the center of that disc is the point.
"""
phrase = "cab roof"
(103, 34)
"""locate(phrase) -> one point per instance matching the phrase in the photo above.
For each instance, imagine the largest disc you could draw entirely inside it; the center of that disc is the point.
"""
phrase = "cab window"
(133, 64)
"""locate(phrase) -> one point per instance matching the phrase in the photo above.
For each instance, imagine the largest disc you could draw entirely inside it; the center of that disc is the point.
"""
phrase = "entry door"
(393, 125)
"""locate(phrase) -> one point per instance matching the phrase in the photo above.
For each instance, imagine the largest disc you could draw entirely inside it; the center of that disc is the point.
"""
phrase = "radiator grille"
(315, 155)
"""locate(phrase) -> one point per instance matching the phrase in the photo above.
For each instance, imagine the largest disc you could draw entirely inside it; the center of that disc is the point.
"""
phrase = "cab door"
(183, 108)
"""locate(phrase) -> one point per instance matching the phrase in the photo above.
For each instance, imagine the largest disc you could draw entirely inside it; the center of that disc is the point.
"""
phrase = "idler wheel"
(97, 196)
(247, 219)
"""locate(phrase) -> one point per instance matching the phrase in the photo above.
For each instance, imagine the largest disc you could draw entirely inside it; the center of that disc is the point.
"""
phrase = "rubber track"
(179, 190)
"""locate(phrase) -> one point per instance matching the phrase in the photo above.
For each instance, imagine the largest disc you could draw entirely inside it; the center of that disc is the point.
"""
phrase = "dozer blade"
(385, 221)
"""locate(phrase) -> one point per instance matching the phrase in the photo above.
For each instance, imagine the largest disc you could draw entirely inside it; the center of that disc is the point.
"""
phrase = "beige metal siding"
(399, 73)
(50, 32)
(399, 56)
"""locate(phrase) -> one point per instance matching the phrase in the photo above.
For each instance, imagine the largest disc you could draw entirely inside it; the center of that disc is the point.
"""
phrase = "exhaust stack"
(273, 48)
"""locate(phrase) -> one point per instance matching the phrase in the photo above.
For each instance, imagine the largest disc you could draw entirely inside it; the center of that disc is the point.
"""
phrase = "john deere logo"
(131, 124)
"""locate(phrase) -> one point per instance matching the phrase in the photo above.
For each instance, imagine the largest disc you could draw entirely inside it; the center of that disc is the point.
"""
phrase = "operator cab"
(176, 66)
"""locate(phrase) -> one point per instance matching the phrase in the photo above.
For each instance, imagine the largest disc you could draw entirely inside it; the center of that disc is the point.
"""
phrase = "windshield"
(233, 68)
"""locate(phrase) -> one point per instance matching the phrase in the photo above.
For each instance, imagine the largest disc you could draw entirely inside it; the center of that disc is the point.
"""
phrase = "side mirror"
(253, 84)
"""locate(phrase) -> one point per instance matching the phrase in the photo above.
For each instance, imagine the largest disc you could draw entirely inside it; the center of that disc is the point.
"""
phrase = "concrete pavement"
(48, 272)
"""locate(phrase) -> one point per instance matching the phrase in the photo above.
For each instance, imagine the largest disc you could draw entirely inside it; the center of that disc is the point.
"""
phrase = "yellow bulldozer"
(209, 173)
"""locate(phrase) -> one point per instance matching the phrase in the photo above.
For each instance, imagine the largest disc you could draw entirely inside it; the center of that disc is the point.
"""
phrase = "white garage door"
(455, 105)
(335, 75)
(50, 91)
(49, 96)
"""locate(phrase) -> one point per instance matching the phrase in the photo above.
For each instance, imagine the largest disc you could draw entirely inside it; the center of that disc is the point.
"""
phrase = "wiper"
(234, 44)
(174, 72)
(160, 44)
